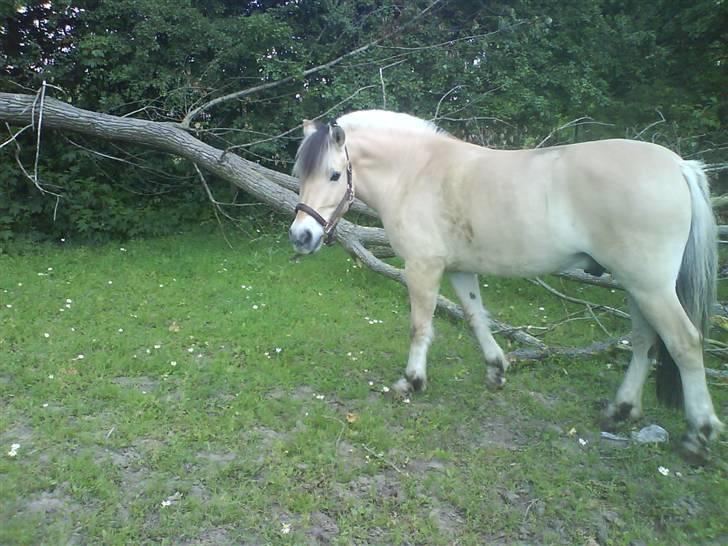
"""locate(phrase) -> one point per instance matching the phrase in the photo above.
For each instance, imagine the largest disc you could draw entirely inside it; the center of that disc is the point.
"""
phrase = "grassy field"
(177, 391)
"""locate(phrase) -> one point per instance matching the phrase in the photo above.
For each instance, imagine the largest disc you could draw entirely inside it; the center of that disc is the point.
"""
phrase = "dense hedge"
(502, 73)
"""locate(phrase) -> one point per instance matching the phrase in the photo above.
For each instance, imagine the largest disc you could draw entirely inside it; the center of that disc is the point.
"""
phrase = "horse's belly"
(514, 261)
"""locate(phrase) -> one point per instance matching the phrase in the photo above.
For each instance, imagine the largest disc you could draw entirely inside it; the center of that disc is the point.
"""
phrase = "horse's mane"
(314, 149)
(383, 119)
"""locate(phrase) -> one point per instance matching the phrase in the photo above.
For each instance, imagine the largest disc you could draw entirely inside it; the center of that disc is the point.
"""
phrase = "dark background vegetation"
(500, 73)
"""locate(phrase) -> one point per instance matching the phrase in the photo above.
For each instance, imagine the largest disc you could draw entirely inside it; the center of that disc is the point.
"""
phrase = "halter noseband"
(346, 201)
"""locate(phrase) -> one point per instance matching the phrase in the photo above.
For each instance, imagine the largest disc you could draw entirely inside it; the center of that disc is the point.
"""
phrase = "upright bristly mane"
(383, 119)
(314, 149)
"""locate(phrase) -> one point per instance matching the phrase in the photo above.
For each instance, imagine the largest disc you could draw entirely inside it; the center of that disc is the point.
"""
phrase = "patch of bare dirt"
(383, 486)
(217, 536)
(322, 529)
(141, 383)
(51, 503)
(447, 519)
(217, 458)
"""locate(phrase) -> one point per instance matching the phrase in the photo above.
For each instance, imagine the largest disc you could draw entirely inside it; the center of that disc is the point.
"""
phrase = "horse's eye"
(335, 176)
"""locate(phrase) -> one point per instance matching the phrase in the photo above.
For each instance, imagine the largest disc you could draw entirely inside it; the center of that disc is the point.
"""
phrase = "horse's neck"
(379, 166)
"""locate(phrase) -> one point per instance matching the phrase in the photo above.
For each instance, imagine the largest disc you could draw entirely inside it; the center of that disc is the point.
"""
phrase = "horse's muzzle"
(305, 236)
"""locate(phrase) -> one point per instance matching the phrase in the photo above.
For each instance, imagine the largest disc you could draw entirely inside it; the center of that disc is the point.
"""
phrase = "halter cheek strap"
(346, 201)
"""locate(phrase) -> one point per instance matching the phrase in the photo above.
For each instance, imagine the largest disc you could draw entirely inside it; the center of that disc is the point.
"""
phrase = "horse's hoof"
(495, 378)
(621, 412)
(694, 448)
(402, 387)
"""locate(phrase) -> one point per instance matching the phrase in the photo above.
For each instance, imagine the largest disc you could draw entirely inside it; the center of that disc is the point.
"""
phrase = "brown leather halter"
(346, 201)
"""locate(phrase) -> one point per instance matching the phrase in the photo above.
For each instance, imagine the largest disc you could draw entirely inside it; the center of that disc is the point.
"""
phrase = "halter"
(346, 201)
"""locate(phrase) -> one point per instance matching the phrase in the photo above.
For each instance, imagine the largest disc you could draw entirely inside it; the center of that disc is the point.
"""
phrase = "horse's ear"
(337, 135)
(309, 127)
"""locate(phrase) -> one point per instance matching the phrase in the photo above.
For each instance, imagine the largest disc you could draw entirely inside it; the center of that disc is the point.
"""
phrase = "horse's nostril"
(306, 237)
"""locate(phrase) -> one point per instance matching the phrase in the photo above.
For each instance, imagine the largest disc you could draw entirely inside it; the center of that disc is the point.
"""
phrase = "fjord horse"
(633, 208)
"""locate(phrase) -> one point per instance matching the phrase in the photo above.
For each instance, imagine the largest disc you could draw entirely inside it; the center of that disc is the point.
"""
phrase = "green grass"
(246, 389)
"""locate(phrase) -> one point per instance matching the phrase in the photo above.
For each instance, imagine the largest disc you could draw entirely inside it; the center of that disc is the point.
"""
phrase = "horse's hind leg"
(423, 283)
(466, 287)
(665, 313)
(628, 402)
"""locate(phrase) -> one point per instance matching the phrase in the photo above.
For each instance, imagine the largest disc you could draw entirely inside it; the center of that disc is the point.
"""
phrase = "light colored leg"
(628, 402)
(423, 282)
(665, 313)
(467, 289)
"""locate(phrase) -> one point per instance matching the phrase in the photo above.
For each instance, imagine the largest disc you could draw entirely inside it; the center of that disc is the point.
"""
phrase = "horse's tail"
(696, 281)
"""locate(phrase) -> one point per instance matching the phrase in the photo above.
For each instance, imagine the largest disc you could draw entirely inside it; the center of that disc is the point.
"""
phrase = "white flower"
(663, 470)
(111, 282)
(583, 442)
(173, 363)
(68, 300)
(13, 450)
(46, 335)
(285, 528)
(172, 499)
(385, 389)
(255, 306)
(157, 346)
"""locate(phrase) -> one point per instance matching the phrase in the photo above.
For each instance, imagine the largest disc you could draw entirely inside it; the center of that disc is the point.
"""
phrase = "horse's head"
(326, 191)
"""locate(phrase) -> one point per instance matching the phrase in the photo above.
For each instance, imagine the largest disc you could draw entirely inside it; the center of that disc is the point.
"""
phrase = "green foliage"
(505, 74)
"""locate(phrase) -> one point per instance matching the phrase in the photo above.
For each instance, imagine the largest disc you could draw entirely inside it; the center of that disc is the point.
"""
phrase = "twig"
(216, 206)
(662, 120)
(439, 103)
(584, 120)
(572, 299)
(289, 131)
(382, 458)
(13, 136)
(381, 79)
(599, 322)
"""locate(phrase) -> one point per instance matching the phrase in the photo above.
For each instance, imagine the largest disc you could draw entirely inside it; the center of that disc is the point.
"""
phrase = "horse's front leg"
(423, 282)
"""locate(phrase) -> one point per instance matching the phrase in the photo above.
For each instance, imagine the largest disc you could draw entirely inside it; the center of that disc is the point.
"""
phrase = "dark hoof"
(495, 377)
(418, 384)
(694, 448)
(401, 388)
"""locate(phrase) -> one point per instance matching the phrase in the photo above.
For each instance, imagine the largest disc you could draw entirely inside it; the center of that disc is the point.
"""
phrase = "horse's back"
(528, 212)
